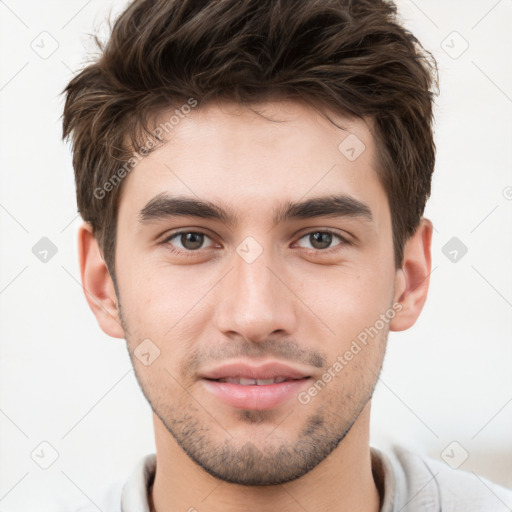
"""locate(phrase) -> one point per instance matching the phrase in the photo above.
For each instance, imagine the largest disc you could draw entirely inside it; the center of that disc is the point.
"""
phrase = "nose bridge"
(254, 303)
(254, 281)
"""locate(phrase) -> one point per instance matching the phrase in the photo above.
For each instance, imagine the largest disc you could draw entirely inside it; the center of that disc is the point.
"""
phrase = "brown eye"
(186, 241)
(192, 241)
(322, 240)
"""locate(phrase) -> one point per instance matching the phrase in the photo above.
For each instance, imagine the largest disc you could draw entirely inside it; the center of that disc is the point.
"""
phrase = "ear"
(412, 280)
(97, 284)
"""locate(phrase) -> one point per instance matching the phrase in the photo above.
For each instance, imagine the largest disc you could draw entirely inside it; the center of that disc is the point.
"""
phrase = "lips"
(246, 386)
(269, 370)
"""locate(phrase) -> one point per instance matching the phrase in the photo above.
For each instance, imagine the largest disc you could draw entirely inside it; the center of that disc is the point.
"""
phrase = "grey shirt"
(407, 482)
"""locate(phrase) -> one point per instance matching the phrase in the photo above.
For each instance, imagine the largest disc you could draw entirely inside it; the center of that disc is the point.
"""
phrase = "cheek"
(347, 300)
(157, 296)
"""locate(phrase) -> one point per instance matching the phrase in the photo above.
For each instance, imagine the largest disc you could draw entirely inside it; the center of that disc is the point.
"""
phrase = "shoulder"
(451, 490)
(125, 496)
(106, 500)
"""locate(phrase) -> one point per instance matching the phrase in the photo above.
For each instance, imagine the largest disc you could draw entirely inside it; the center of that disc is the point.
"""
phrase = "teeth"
(252, 382)
(262, 382)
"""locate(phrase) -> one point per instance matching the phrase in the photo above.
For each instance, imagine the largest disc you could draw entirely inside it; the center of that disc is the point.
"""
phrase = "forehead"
(254, 159)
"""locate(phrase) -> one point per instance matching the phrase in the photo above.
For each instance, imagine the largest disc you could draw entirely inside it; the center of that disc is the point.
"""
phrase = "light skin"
(294, 303)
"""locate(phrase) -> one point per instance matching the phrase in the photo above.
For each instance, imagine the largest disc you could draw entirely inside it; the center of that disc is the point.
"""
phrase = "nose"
(254, 302)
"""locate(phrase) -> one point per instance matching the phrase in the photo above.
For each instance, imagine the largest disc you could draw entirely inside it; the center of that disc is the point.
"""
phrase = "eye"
(322, 240)
(190, 241)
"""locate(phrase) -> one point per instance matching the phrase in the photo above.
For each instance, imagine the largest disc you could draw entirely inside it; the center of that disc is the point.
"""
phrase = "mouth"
(245, 386)
(245, 381)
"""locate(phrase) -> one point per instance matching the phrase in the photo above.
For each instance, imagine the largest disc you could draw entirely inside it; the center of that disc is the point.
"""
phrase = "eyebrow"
(164, 206)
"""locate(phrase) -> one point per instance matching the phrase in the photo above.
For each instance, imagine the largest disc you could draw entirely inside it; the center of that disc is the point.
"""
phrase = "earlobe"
(413, 278)
(97, 283)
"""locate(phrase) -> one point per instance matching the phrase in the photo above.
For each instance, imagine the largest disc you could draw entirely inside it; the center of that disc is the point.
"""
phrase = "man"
(252, 176)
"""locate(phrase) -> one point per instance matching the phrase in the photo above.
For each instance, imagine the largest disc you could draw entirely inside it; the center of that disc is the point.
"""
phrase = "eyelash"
(191, 254)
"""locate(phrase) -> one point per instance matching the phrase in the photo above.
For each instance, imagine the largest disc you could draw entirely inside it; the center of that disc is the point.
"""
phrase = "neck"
(342, 482)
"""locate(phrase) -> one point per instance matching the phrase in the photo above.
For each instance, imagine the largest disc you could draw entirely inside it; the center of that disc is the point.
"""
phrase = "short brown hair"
(351, 56)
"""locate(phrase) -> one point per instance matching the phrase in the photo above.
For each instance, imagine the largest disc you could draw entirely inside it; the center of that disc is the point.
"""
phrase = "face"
(256, 281)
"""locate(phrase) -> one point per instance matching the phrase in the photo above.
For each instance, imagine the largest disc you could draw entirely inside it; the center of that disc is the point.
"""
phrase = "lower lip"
(267, 396)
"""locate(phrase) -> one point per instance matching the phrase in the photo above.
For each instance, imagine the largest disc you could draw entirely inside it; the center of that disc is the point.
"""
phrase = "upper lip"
(267, 370)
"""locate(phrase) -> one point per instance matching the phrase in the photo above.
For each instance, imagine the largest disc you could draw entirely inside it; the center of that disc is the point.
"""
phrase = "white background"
(64, 382)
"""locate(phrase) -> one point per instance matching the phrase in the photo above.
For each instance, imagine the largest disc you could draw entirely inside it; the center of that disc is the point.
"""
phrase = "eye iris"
(325, 240)
(196, 240)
